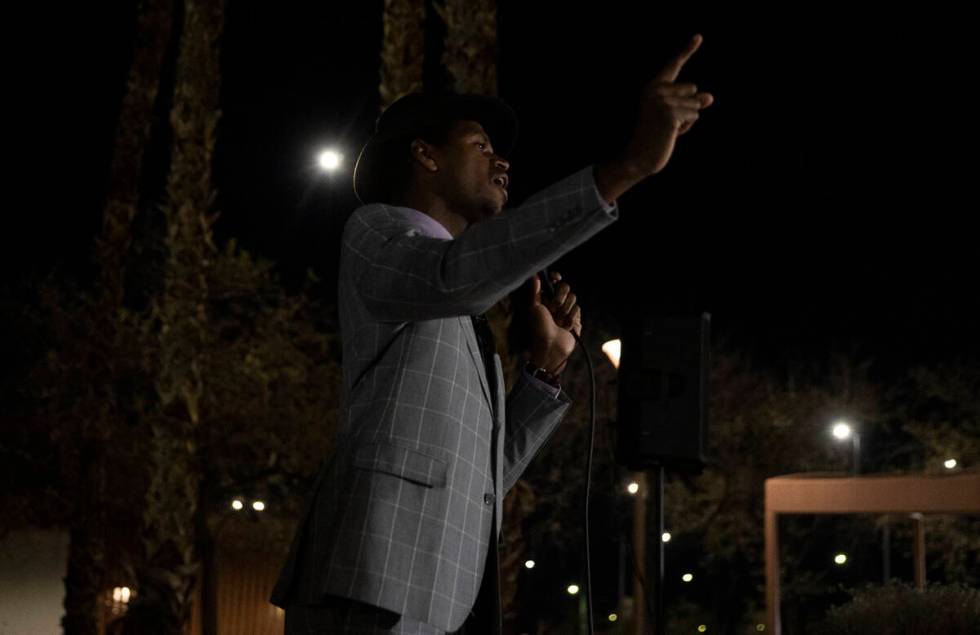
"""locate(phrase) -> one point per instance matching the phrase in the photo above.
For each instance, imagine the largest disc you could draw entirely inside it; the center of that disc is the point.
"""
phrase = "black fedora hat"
(412, 114)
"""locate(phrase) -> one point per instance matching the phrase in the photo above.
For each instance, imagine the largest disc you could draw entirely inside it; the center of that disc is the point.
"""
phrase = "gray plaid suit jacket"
(403, 511)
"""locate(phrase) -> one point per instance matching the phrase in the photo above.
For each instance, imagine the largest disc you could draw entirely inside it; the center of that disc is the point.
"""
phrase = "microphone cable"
(545, 277)
(588, 477)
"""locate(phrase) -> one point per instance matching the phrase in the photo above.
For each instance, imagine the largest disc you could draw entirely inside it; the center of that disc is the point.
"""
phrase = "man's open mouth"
(501, 181)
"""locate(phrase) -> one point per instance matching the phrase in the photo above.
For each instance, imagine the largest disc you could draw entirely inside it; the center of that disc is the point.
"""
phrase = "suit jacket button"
(488, 499)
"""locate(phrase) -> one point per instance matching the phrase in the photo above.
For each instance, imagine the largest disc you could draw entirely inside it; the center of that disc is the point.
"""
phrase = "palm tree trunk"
(154, 25)
(167, 577)
(470, 54)
(402, 49)
(85, 578)
(86, 548)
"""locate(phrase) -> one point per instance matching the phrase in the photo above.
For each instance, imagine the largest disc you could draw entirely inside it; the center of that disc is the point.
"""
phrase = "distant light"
(121, 594)
(258, 506)
(633, 488)
(613, 617)
(841, 430)
(237, 504)
(702, 628)
(529, 564)
(612, 349)
(840, 558)
(760, 627)
(330, 160)
(687, 577)
(950, 463)
(666, 536)
(572, 589)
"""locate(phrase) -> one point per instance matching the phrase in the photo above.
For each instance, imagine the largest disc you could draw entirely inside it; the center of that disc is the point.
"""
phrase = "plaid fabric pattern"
(403, 511)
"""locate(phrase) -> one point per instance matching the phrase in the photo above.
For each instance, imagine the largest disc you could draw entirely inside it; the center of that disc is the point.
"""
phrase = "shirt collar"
(425, 223)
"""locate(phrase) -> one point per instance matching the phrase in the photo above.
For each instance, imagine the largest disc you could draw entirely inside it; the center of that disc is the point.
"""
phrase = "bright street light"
(841, 430)
(258, 506)
(529, 564)
(840, 558)
(950, 463)
(633, 487)
(330, 160)
(612, 349)
(572, 589)
(237, 504)
(687, 577)
(666, 536)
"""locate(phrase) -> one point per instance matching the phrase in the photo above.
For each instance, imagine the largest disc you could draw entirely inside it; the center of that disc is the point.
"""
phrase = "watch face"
(543, 375)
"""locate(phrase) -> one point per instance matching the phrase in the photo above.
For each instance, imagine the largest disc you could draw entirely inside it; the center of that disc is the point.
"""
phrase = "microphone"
(547, 288)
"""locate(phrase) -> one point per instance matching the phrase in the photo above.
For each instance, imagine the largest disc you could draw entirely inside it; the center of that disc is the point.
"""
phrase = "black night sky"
(822, 203)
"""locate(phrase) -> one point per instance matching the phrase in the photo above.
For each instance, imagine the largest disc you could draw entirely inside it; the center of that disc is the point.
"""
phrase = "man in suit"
(401, 534)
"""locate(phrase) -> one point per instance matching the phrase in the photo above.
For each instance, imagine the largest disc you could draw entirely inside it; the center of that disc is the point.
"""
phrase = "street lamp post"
(638, 488)
(843, 431)
(613, 350)
(856, 453)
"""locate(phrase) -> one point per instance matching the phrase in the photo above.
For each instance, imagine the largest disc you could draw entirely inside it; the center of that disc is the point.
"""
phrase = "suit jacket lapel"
(467, 325)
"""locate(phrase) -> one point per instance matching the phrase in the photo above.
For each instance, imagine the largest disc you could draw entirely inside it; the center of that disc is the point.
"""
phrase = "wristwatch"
(543, 374)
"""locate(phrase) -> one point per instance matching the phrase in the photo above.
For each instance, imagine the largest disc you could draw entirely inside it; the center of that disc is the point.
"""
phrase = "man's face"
(472, 178)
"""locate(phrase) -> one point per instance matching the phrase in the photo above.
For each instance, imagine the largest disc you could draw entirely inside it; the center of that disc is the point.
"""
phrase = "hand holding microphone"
(554, 318)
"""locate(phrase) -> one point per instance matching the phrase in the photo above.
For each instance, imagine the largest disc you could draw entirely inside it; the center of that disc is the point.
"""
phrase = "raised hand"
(668, 109)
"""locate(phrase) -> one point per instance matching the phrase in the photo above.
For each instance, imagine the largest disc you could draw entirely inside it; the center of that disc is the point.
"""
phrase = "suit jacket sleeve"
(533, 413)
(405, 276)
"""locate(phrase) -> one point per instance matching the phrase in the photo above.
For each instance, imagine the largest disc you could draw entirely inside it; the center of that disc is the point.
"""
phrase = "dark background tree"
(163, 388)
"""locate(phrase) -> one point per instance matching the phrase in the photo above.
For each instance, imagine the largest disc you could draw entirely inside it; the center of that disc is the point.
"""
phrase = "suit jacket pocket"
(406, 463)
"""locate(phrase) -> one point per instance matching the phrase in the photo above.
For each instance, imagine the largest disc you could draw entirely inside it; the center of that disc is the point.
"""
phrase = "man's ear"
(422, 152)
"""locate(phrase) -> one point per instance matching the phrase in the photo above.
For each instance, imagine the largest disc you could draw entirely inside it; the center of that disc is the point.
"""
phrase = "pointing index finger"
(673, 68)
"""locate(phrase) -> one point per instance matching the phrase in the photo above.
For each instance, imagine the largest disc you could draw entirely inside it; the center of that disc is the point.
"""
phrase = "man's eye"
(482, 145)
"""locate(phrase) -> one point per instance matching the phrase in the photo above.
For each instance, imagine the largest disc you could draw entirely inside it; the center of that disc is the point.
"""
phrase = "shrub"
(900, 609)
